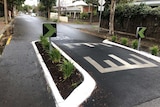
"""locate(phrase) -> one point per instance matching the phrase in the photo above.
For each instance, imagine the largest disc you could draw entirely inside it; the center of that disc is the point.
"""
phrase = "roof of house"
(78, 3)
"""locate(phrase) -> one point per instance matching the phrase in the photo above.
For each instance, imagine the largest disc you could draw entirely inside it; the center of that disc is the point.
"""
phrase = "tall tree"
(14, 4)
(112, 13)
(91, 3)
(48, 5)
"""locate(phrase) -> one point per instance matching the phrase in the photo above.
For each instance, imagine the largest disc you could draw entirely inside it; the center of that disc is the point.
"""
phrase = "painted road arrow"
(141, 32)
(49, 29)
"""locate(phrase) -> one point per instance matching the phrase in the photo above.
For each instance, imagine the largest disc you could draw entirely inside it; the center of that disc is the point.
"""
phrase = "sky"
(30, 2)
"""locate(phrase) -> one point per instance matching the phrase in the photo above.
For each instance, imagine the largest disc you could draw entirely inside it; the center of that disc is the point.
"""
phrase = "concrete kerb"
(80, 94)
(133, 50)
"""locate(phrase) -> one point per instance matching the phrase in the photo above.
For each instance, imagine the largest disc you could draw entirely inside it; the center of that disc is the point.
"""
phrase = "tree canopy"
(48, 5)
(12, 3)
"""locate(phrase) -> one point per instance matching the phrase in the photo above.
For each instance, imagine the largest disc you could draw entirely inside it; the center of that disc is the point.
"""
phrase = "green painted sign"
(49, 30)
(140, 32)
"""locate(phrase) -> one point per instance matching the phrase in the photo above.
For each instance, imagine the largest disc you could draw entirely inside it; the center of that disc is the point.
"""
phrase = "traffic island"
(77, 92)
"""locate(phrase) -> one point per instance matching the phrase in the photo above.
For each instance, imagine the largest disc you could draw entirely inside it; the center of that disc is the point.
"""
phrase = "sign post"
(49, 30)
(140, 34)
(100, 8)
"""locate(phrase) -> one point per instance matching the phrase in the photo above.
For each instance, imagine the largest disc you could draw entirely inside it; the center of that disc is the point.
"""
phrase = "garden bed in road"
(70, 92)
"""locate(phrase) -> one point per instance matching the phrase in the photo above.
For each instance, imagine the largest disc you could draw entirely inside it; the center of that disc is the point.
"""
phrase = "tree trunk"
(48, 13)
(112, 13)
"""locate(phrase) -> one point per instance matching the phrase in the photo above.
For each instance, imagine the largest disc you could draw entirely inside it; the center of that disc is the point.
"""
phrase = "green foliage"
(84, 16)
(27, 8)
(67, 68)
(114, 38)
(129, 10)
(135, 44)
(44, 42)
(55, 55)
(124, 41)
(154, 50)
(75, 84)
(48, 3)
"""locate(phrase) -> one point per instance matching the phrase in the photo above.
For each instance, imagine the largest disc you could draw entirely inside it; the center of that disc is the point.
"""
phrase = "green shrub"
(135, 44)
(55, 55)
(44, 42)
(84, 16)
(67, 68)
(124, 41)
(154, 50)
(114, 38)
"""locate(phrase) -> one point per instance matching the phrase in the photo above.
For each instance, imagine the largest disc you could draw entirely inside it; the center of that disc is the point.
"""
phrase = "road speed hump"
(49, 29)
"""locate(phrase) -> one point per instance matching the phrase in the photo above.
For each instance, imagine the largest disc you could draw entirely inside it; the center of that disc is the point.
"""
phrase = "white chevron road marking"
(125, 65)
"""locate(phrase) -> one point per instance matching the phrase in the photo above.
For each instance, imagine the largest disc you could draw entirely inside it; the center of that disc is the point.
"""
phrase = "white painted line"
(133, 50)
(115, 67)
(69, 46)
(106, 45)
(94, 63)
(134, 61)
(119, 59)
(110, 63)
(142, 59)
(89, 45)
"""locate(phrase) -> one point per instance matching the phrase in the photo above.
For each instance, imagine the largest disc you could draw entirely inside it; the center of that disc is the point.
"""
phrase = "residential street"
(124, 78)
(22, 83)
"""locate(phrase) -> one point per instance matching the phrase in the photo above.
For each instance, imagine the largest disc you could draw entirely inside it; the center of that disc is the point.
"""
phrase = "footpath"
(22, 83)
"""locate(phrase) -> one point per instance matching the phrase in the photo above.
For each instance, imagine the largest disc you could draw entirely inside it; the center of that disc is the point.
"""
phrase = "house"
(73, 8)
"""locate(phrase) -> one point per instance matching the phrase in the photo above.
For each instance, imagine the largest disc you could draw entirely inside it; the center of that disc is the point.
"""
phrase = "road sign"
(101, 2)
(140, 32)
(49, 29)
(100, 8)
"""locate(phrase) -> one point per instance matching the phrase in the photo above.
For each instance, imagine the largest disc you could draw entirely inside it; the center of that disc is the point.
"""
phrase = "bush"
(124, 41)
(154, 50)
(67, 68)
(114, 38)
(84, 16)
(135, 44)
(55, 55)
(44, 42)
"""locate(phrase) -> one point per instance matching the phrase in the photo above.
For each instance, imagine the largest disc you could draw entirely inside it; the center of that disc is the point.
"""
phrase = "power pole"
(5, 11)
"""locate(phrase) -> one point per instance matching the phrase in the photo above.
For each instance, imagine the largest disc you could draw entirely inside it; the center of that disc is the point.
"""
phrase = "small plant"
(154, 50)
(75, 84)
(114, 38)
(124, 41)
(135, 44)
(44, 42)
(67, 68)
(55, 55)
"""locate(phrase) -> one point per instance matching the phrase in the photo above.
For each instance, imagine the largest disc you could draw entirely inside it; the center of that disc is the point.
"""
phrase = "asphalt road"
(22, 82)
(124, 78)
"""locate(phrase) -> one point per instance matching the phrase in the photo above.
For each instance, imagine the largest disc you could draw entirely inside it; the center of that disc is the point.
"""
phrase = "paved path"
(22, 83)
